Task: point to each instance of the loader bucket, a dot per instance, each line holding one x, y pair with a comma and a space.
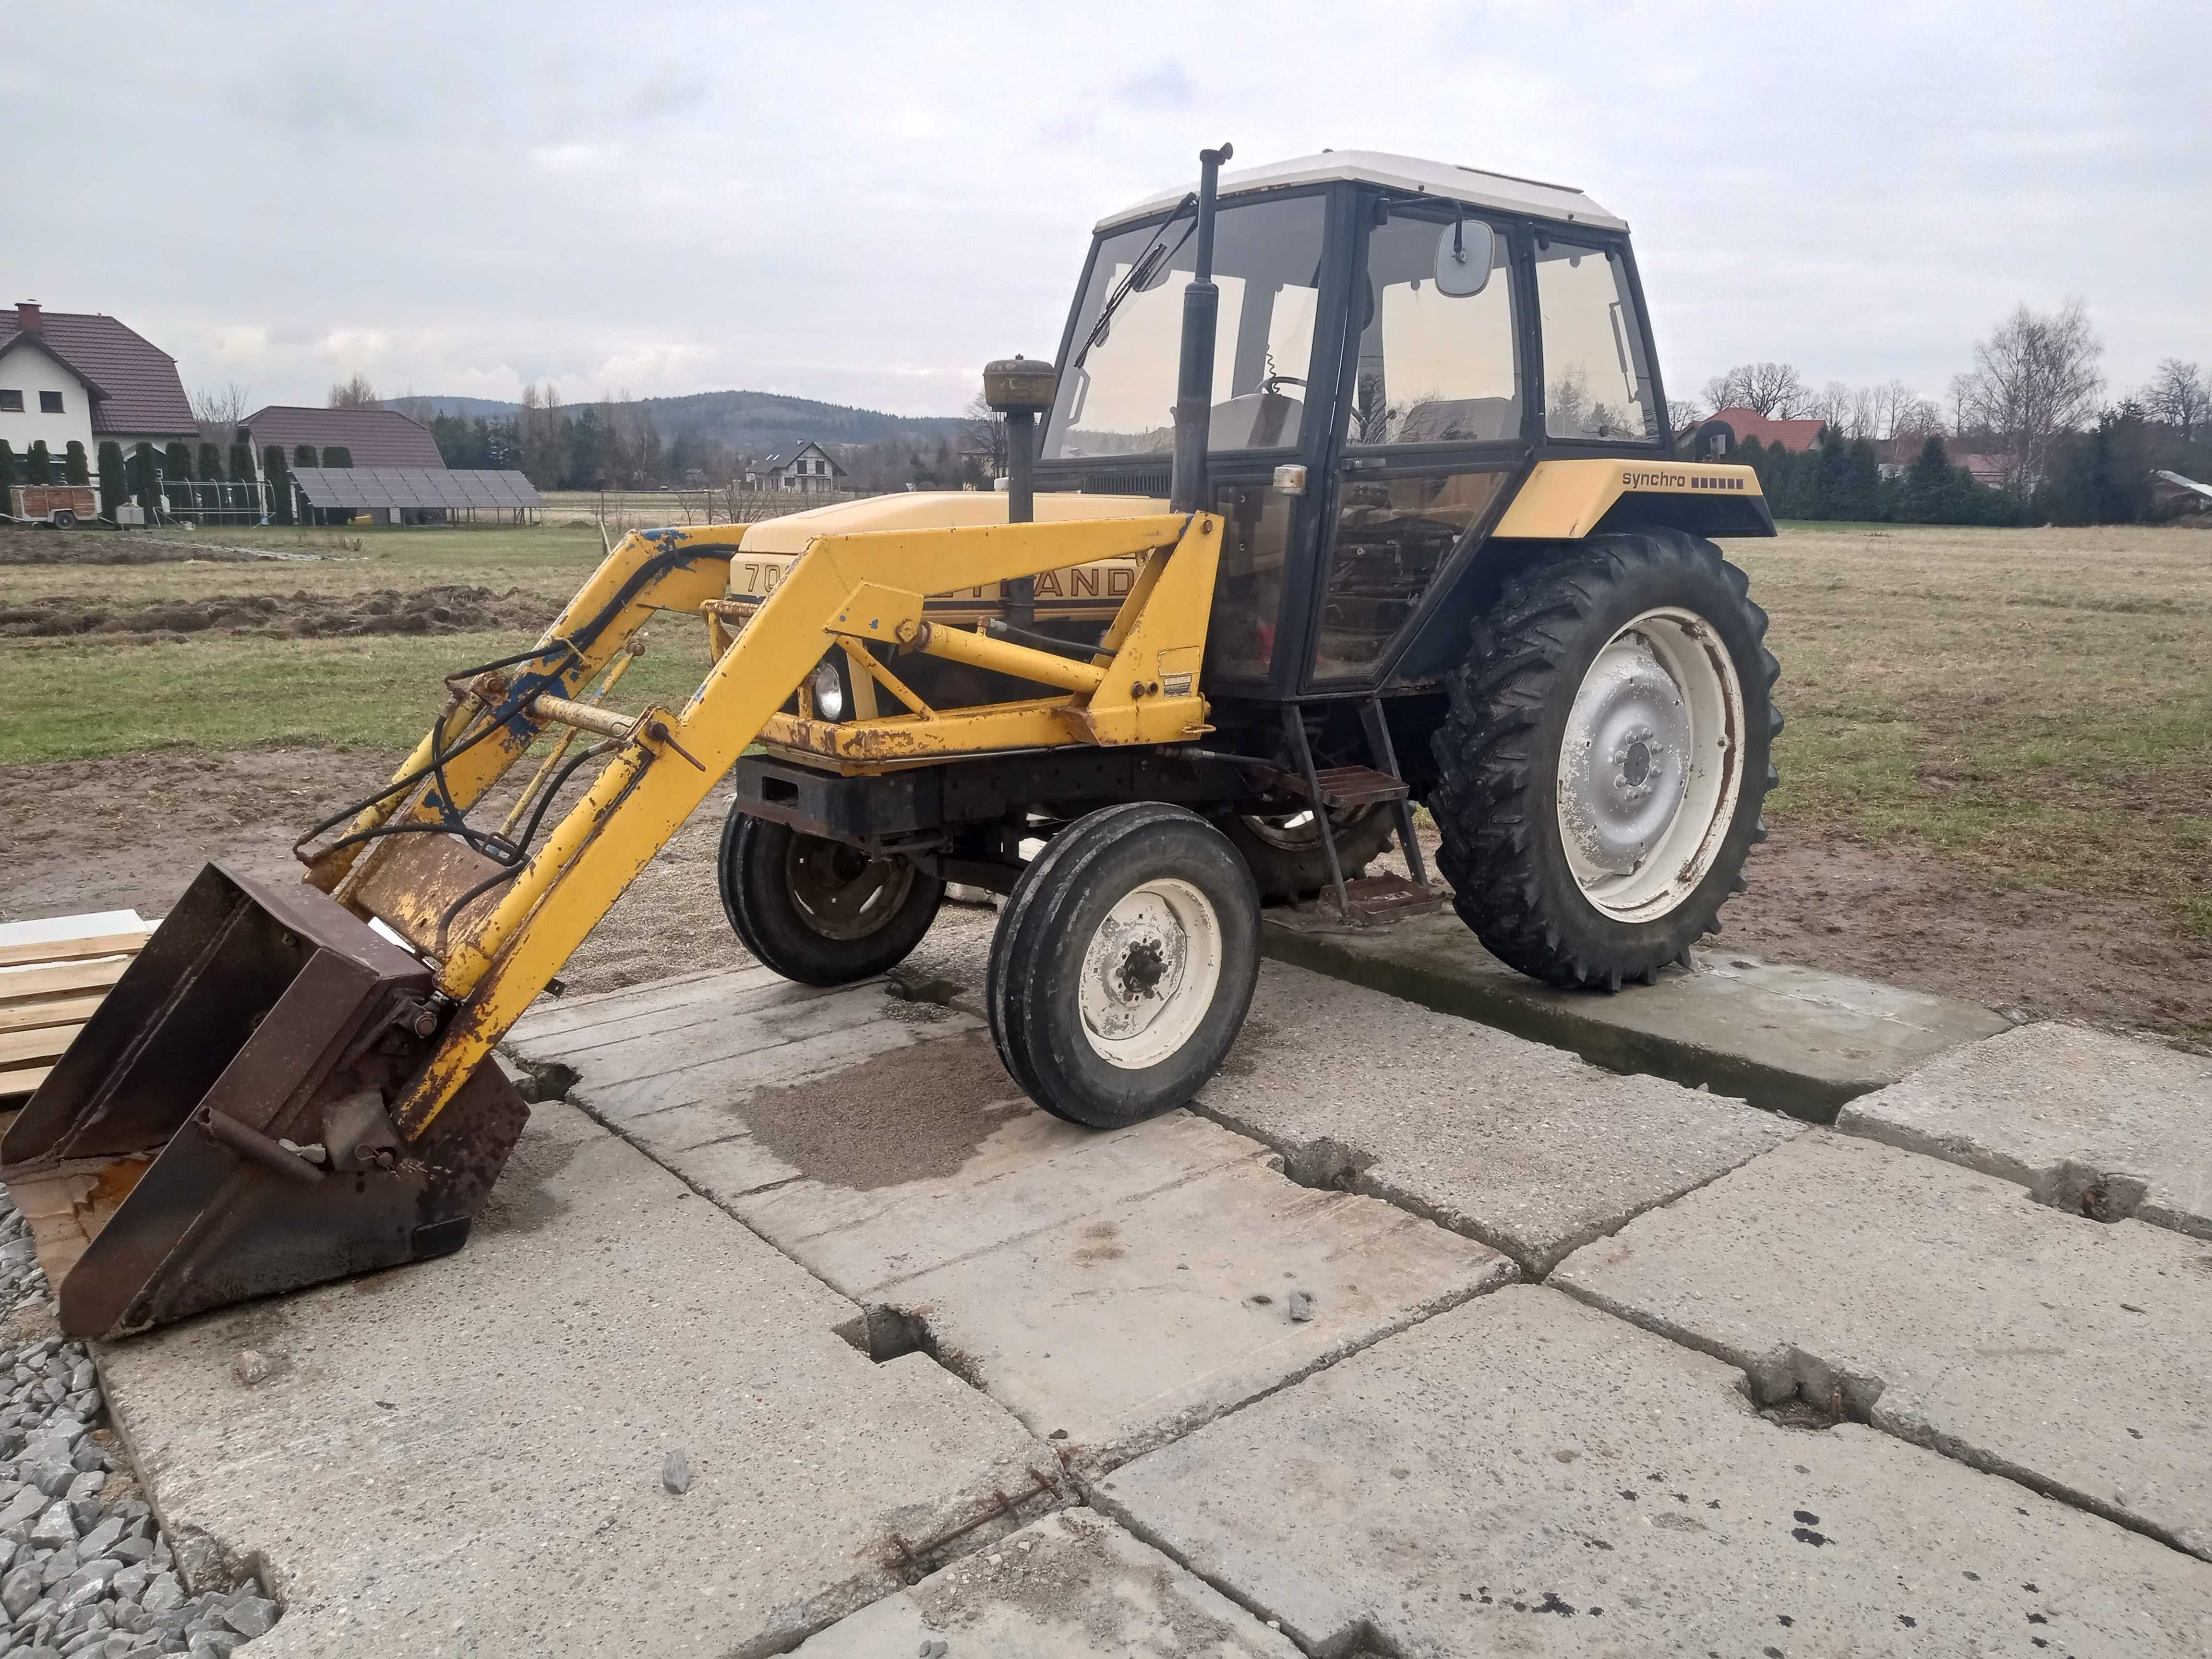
217, 1131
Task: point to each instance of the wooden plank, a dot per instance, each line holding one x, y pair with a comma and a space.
19, 985
95, 944
40, 930
57, 1011
20, 1048
13, 1085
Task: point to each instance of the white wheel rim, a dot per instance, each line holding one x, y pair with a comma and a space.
1651, 765
1150, 973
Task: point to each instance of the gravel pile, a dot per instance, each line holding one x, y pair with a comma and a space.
84, 1569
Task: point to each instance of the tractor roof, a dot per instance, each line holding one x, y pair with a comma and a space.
1502, 191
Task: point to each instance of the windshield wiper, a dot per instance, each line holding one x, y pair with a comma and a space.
1141, 272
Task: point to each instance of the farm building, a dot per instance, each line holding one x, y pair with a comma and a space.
807, 468
1721, 434
77, 377
369, 437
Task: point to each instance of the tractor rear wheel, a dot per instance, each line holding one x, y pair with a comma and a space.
1285, 851
1123, 964
1605, 757
819, 911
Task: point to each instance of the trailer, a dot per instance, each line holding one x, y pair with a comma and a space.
58, 506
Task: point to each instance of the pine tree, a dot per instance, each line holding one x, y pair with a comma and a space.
337, 455
1928, 486
74, 469
1862, 483
241, 463
280, 483
304, 455
142, 475
113, 488
211, 463
7, 478
177, 461
38, 465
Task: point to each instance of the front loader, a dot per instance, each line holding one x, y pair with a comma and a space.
1176, 666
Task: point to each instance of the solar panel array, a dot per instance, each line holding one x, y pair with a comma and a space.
365, 489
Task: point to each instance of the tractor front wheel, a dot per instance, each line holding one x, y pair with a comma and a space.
1606, 757
1123, 964
817, 911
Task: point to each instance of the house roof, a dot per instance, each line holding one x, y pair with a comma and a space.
132, 382
373, 437
1563, 203
1796, 436
781, 459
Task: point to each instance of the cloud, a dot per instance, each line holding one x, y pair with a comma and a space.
865, 201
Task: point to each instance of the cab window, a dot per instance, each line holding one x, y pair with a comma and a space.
1118, 393
1597, 369
1435, 332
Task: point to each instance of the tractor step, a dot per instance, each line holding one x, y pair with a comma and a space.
1358, 785
1386, 898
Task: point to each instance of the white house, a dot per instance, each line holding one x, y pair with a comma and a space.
807, 468
75, 377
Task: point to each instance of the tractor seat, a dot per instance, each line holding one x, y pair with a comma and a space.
1462, 420
1256, 420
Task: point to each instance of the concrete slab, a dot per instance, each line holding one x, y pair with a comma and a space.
2102, 1125
1071, 1586
1947, 1307
1792, 1040
1111, 1290
1524, 1475
465, 1456
1525, 1147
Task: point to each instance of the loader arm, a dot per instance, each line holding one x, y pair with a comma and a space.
867, 587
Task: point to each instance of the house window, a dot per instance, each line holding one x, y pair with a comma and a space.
11, 403
49, 403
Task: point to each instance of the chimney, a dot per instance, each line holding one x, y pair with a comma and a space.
27, 316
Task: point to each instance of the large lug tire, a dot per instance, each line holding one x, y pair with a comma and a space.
1605, 757
819, 911
1123, 964
1285, 851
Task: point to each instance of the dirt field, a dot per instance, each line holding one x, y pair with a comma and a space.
1998, 773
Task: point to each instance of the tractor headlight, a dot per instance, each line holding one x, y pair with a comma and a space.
829, 686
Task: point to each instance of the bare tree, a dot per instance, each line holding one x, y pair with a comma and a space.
2178, 395
1775, 390
1683, 413
2035, 378
357, 393
216, 410
985, 437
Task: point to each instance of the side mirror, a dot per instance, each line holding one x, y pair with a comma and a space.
1465, 253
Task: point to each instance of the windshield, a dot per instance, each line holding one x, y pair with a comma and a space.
1116, 396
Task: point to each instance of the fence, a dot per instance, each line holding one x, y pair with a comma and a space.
653, 509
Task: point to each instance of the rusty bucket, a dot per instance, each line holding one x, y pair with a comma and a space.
218, 1130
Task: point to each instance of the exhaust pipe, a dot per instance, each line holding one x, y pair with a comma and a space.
1201, 313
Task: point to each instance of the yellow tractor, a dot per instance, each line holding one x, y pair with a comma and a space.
1350, 485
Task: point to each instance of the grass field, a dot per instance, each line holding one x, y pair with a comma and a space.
2033, 704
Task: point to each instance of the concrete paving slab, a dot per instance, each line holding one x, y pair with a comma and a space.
1525, 1476
1792, 1040
1111, 1290
1071, 1586
465, 1456
2106, 1125
1947, 1307
1528, 1148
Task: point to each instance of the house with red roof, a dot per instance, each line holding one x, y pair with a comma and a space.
369, 437
79, 377
1721, 434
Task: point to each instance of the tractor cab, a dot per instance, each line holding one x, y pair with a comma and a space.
1399, 342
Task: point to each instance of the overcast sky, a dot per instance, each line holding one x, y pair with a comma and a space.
863, 203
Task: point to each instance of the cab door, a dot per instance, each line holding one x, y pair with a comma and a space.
1433, 428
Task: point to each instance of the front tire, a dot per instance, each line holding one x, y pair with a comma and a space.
1123, 964
1285, 853
1605, 757
819, 911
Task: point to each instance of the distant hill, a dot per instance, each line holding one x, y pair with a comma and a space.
749, 422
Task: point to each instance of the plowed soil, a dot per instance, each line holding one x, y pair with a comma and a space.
20, 545
301, 616
97, 835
